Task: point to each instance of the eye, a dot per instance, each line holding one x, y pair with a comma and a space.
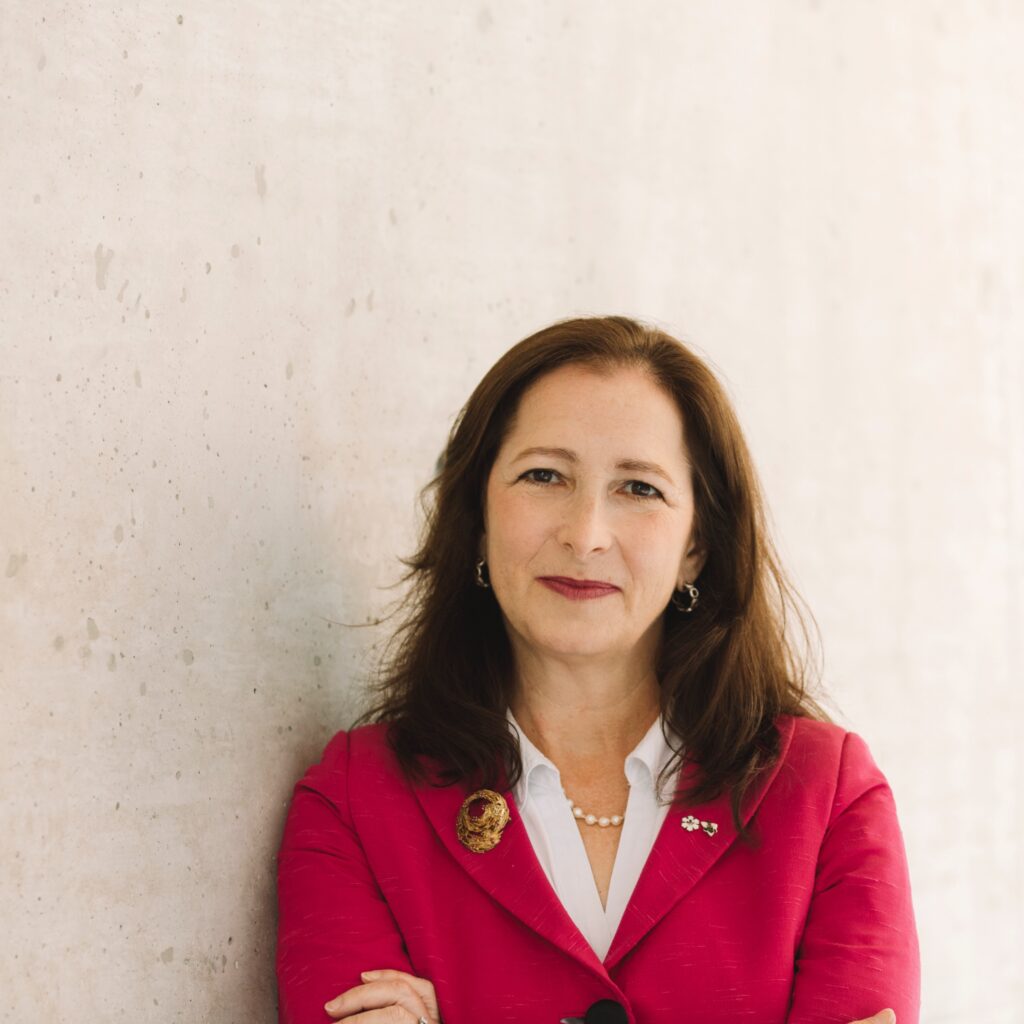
646, 491
534, 476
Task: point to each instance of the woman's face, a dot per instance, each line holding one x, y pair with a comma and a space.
592, 483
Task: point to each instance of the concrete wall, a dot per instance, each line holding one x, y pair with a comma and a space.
255, 257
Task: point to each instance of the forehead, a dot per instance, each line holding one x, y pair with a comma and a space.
603, 405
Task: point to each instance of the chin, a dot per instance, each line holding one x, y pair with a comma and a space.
568, 643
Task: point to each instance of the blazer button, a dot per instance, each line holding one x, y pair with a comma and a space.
606, 1011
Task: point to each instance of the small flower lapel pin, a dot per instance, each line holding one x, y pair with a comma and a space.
691, 824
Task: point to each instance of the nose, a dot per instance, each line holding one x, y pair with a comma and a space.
585, 526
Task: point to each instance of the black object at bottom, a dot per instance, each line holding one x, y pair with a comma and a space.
606, 1011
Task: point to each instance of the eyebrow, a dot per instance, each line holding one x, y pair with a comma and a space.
631, 465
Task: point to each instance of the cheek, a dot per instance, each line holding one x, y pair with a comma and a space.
516, 529
655, 547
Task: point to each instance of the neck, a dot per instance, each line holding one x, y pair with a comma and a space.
584, 715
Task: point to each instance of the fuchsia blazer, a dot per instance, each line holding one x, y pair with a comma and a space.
815, 926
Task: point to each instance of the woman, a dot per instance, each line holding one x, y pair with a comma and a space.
594, 786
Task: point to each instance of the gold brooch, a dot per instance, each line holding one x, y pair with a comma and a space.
482, 832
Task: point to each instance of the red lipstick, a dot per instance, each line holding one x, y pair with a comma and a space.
578, 590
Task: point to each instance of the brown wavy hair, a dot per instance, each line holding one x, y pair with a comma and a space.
726, 670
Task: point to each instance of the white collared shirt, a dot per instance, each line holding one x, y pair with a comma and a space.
556, 838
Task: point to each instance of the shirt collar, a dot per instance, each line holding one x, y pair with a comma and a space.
643, 763
652, 753
535, 764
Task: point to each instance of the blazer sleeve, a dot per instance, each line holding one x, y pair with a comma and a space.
859, 949
333, 921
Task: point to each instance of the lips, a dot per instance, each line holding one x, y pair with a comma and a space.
578, 590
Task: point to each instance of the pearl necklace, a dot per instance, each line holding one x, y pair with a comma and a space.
592, 819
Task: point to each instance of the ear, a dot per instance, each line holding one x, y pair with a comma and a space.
691, 566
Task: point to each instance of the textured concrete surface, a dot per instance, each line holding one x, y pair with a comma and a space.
254, 258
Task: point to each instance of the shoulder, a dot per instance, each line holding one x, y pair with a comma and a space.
824, 744
811, 732
359, 758
368, 740
365, 743
828, 762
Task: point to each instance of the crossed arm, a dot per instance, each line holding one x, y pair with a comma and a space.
385, 991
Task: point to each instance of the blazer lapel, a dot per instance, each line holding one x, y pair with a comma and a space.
509, 872
680, 857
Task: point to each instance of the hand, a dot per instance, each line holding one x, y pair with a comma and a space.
886, 1016
384, 989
